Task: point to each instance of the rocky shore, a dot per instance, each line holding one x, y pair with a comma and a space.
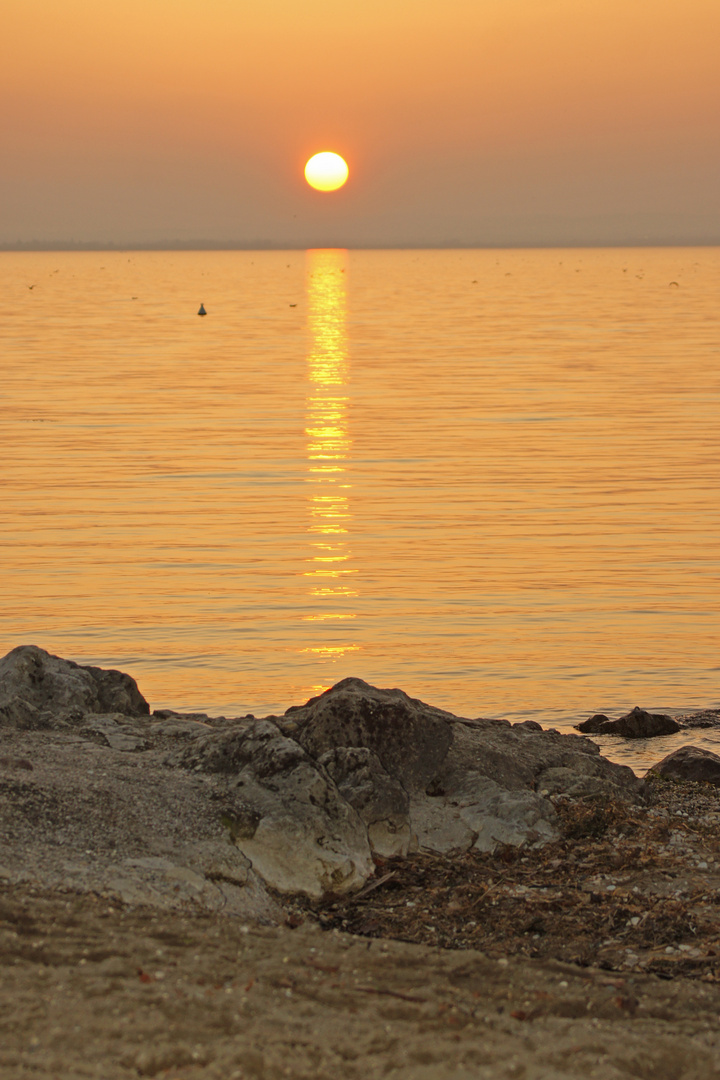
365, 883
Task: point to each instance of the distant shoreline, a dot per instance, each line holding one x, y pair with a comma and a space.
265, 245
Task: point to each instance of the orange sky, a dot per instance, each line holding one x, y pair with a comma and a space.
463, 121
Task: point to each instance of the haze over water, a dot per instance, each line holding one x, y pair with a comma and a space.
487, 477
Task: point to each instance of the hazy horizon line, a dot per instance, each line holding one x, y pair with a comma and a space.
268, 245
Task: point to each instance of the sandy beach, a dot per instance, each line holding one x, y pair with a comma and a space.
105, 990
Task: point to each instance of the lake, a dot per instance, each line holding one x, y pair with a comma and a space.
488, 477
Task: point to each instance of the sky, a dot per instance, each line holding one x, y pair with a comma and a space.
463, 122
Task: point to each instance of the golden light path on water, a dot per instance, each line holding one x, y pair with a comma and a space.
330, 573
487, 477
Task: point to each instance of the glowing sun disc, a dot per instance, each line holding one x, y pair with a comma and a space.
326, 171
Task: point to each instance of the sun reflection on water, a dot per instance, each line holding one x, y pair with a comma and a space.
328, 448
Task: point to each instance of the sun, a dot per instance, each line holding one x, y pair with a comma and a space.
326, 171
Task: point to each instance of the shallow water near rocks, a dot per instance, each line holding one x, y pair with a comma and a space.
487, 477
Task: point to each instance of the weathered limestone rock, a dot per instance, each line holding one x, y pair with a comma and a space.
704, 718
409, 737
593, 724
298, 832
188, 811
39, 690
496, 781
115, 730
218, 861
637, 724
177, 727
528, 725
469, 783
86, 817
381, 801
481, 795
690, 763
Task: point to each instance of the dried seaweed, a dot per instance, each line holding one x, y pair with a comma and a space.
622, 888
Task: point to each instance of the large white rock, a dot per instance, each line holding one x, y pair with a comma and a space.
289, 819
469, 783
215, 814
380, 799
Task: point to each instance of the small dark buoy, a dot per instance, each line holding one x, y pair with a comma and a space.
202, 310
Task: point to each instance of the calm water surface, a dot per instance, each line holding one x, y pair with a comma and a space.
488, 477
